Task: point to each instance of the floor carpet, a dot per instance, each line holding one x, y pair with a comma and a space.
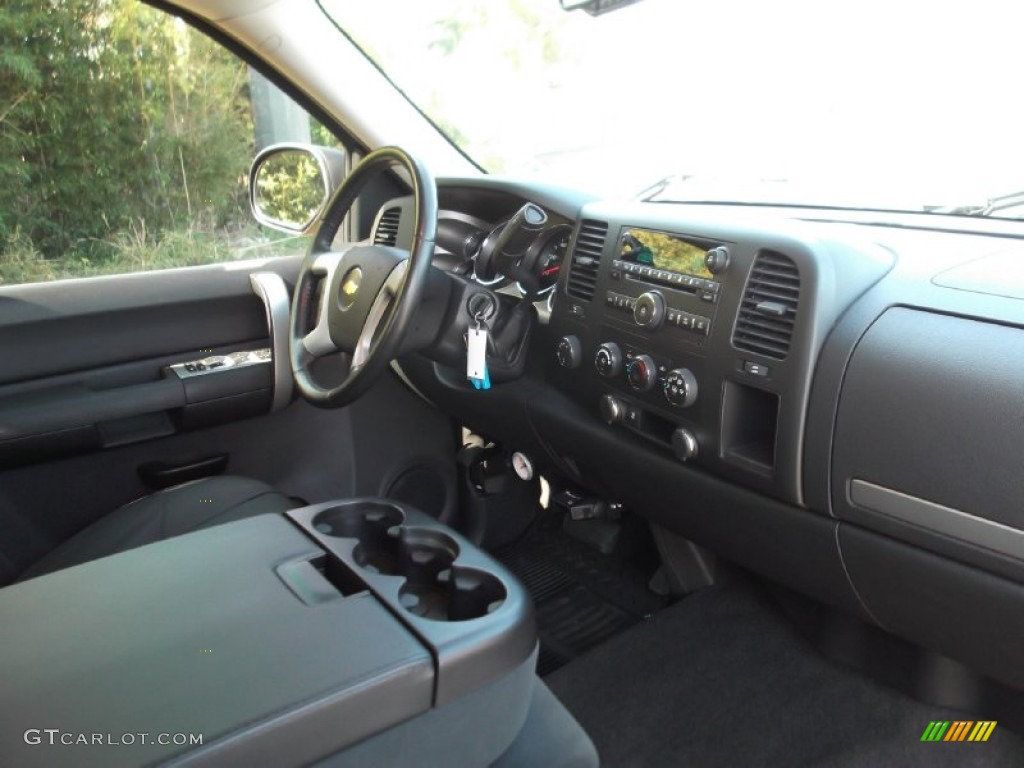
721, 679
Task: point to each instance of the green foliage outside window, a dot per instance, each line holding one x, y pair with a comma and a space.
125, 141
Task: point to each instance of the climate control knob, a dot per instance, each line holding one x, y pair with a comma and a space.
684, 444
649, 310
608, 360
680, 387
641, 373
611, 410
569, 352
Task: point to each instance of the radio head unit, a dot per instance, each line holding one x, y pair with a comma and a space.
662, 251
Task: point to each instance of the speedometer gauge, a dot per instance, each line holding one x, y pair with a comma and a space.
543, 260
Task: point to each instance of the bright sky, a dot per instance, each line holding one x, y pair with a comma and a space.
877, 99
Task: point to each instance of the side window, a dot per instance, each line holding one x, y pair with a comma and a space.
125, 143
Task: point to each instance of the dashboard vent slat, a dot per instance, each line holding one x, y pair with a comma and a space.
767, 314
586, 258
387, 227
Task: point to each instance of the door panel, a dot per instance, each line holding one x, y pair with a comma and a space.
48, 329
87, 397
95, 363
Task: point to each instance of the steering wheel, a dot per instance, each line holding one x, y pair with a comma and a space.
360, 299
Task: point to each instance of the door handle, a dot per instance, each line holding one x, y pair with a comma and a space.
271, 289
164, 474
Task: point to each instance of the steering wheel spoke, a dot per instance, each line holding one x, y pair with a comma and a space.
318, 341
326, 264
378, 312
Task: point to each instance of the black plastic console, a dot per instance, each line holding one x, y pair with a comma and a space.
357, 631
465, 608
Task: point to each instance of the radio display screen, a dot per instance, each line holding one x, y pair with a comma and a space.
662, 251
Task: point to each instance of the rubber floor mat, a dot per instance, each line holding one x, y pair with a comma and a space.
570, 587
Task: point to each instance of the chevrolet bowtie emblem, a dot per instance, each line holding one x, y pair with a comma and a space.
350, 286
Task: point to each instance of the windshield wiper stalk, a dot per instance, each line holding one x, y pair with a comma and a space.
990, 206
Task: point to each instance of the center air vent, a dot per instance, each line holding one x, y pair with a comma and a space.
586, 258
387, 227
767, 313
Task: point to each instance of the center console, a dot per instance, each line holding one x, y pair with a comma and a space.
699, 337
354, 632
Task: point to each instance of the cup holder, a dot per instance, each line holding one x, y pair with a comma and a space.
433, 587
456, 594
368, 522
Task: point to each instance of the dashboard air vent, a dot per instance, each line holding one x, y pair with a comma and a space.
586, 258
387, 227
767, 314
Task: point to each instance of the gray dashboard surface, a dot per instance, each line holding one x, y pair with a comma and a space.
999, 274
200, 635
931, 408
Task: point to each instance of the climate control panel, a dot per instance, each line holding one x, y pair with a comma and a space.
642, 373
644, 325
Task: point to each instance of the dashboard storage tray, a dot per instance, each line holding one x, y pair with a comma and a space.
468, 610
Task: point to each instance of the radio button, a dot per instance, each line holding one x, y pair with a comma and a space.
717, 260
649, 311
701, 325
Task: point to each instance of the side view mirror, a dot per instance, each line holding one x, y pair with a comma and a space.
289, 184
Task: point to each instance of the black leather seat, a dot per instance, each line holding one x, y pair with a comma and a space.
170, 512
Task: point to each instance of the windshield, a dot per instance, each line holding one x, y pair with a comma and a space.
886, 105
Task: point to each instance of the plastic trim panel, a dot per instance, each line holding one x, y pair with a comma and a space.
996, 537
